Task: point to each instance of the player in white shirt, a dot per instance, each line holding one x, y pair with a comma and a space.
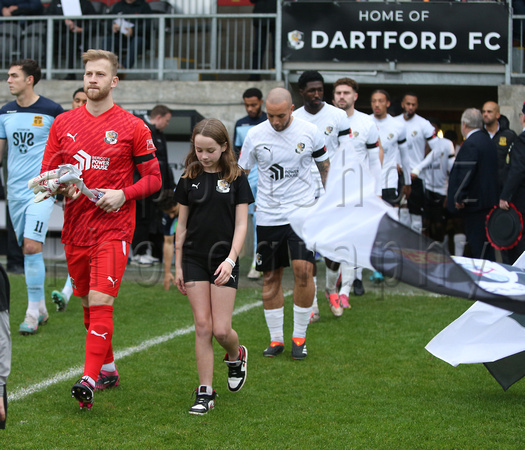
434, 169
392, 133
283, 148
365, 141
333, 123
420, 132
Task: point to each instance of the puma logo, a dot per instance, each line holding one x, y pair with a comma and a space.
232, 276
103, 335
266, 148
112, 281
196, 186
71, 136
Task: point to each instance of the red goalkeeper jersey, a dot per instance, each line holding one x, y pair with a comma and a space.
107, 149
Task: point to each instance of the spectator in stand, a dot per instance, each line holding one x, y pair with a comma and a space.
502, 136
128, 34
261, 29
73, 32
21, 7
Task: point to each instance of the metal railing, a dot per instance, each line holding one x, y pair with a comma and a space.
162, 46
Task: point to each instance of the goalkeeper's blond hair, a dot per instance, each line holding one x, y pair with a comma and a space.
95, 55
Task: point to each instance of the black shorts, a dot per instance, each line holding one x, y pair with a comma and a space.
390, 196
275, 246
195, 268
434, 209
416, 201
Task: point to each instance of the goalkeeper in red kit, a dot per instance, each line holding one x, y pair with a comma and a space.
106, 143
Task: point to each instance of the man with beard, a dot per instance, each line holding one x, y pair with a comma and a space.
333, 123
284, 148
365, 140
253, 101
419, 133
502, 136
107, 143
25, 124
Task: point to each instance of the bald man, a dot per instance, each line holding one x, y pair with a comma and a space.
498, 129
283, 147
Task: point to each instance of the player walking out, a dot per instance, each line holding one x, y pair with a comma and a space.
107, 143
213, 195
25, 124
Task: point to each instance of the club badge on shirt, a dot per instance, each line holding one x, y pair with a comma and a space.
111, 137
223, 186
300, 148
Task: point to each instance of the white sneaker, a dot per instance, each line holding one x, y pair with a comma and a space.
254, 274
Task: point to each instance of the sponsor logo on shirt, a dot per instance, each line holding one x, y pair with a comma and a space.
86, 161
38, 121
278, 172
111, 137
223, 186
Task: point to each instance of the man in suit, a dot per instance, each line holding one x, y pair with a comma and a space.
514, 188
473, 183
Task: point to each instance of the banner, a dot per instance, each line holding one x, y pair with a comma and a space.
453, 32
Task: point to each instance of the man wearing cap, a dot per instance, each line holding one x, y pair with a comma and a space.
473, 182
514, 188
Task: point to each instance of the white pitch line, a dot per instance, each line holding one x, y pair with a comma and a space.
73, 372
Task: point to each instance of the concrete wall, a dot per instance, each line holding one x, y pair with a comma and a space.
510, 99
220, 99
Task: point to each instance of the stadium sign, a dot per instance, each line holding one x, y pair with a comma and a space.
408, 32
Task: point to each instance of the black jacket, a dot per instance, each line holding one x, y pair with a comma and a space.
474, 177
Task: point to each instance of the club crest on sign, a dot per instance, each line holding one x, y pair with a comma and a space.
223, 186
111, 137
296, 39
300, 148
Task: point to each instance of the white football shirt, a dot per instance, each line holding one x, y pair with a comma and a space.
436, 166
283, 159
365, 139
393, 140
330, 121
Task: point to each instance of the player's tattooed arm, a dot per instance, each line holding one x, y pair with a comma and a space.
323, 167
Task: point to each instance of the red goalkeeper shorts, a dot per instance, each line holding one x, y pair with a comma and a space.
98, 267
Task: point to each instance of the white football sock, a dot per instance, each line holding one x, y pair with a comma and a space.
109, 367
331, 280
275, 321
314, 304
459, 244
301, 319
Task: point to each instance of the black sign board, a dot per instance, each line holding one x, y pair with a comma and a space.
401, 32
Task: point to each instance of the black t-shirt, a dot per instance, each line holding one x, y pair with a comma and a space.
211, 219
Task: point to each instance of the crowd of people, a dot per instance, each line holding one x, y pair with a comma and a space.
278, 160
